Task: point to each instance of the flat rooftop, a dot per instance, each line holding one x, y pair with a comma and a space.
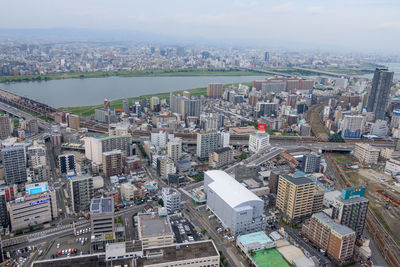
298, 180
257, 237
151, 225
172, 253
102, 205
326, 220
84, 261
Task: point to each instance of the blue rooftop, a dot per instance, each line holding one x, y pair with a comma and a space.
257, 237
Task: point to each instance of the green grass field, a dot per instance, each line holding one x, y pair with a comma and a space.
269, 258
132, 73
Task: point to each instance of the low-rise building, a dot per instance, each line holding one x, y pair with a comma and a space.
366, 154
33, 210
193, 254
254, 241
221, 157
154, 231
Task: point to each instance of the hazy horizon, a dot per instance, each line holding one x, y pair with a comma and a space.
363, 26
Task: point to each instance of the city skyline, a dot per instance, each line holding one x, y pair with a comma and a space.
346, 25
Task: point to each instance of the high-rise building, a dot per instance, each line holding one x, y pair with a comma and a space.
102, 222
258, 142
154, 101
172, 199
167, 166
352, 126
82, 192
266, 109
225, 139
66, 163
185, 105
295, 197
207, 142
175, 148
95, 146
336, 239
349, 207
214, 90
238, 209
74, 121
125, 106
4, 219
379, 94
5, 126
310, 163
266, 57
159, 139
112, 163
14, 162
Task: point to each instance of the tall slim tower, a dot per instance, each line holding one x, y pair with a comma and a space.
378, 99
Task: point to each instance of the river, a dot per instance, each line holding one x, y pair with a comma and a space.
92, 91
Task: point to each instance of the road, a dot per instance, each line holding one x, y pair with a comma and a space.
21, 114
222, 245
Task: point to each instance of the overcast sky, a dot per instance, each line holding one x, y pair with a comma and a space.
364, 25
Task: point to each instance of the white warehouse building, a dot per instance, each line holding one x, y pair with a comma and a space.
238, 209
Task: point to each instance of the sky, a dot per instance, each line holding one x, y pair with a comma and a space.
359, 25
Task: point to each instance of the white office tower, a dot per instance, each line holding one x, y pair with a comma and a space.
225, 139
239, 210
175, 148
172, 199
159, 139
258, 142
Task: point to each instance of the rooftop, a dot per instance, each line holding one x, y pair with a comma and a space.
173, 253
299, 180
222, 150
151, 225
338, 228
368, 147
102, 205
257, 237
230, 190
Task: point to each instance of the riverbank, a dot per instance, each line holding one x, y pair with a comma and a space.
132, 73
85, 111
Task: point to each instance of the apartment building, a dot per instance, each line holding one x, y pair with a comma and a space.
336, 239
207, 142
82, 192
366, 154
221, 157
295, 197
112, 163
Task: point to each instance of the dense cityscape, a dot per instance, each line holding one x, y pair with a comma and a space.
294, 161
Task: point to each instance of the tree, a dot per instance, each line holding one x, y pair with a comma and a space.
337, 137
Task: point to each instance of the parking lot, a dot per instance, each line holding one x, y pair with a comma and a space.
184, 231
79, 244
